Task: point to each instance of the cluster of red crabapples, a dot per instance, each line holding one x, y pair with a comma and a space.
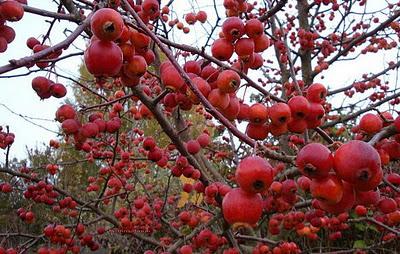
182, 167
6, 187
41, 192
82, 132
298, 114
35, 45
335, 181
61, 235
191, 18
45, 88
6, 139
234, 8
389, 148
254, 175
13, 10
26, 216
10, 10
370, 124
143, 216
306, 39
248, 49
126, 50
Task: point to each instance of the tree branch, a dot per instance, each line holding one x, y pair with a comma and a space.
45, 13
356, 114
195, 90
15, 64
273, 11
359, 39
384, 133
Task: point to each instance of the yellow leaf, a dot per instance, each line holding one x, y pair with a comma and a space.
196, 198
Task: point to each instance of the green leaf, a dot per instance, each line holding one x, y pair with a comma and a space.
360, 226
185, 230
359, 244
373, 228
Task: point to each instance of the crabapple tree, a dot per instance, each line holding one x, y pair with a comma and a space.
206, 127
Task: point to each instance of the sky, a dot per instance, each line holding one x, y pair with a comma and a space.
19, 97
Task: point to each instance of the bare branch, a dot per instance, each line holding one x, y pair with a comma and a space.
45, 13
15, 64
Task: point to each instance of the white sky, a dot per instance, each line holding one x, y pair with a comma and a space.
17, 94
